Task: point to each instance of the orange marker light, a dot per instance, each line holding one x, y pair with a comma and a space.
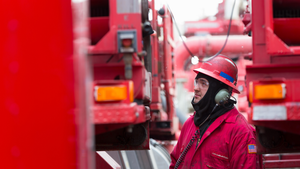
131, 91
270, 91
250, 92
110, 93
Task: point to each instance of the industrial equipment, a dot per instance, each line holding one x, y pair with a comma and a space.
80, 78
131, 57
273, 78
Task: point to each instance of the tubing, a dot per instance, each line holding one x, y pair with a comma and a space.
209, 45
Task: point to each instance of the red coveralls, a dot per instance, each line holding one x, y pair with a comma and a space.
223, 145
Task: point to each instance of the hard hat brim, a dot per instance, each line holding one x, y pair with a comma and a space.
216, 75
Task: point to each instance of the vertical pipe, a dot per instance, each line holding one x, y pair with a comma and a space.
155, 81
167, 63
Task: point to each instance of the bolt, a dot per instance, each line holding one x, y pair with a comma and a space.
129, 129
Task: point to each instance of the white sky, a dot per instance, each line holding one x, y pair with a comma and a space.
191, 10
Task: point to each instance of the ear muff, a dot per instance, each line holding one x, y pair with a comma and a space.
222, 96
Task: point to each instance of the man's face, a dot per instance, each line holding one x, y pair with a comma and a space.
200, 88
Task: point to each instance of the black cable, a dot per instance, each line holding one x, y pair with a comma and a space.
228, 32
183, 154
210, 58
171, 13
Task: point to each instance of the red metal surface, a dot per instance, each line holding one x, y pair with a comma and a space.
163, 77
97, 32
218, 27
281, 163
287, 156
276, 58
270, 31
287, 73
281, 43
115, 113
273, 71
168, 78
156, 74
39, 112
106, 43
120, 113
105, 161
116, 118
241, 85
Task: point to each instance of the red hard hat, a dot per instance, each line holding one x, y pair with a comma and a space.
222, 69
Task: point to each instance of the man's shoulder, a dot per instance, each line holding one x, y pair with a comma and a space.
239, 123
190, 120
234, 116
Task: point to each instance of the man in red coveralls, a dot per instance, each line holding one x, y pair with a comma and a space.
217, 135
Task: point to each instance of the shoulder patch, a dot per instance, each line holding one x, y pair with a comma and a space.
252, 148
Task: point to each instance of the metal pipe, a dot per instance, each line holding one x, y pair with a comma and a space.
210, 45
167, 63
127, 58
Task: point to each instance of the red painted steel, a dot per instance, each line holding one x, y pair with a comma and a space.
281, 160
120, 113
218, 27
106, 42
163, 77
287, 73
168, 78
276, 58
115, 113
39, 110
276, 28
241, 85
156, 100
281, 156
272, 32
281, 163
110, 67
